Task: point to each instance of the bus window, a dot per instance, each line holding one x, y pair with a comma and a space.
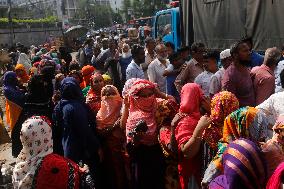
164, 25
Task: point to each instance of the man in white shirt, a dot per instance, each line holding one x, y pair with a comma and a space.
274, 105
211, 67
216, 79
133, 69
150, 54
157, 68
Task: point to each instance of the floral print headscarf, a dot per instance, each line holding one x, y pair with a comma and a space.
36, 137
222, 104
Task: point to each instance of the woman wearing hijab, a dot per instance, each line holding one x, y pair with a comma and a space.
72, 131
274, 148
22, 75
14, 98
222, 104
112, 138
145, 153
247, 122
36, 166
93, 97
87, 72
188, 134
36, 102
243, 167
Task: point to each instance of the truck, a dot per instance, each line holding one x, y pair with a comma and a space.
220, 23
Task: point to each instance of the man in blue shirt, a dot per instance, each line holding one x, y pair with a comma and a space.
256, 59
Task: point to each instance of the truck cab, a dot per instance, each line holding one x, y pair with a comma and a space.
167, 26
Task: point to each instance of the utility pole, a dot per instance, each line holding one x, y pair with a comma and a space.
10, 23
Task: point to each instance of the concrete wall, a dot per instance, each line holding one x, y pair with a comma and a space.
28, 36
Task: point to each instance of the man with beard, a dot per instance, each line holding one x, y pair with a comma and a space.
237, 76
157, 68
124, 60
150, 54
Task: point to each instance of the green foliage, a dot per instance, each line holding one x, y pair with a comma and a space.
96, 15
125, 6
142, 8
50, 19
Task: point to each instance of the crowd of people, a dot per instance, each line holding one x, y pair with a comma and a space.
121, 116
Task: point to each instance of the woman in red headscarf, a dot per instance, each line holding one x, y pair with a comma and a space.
188, 134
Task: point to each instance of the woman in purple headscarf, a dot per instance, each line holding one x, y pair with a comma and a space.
243, 167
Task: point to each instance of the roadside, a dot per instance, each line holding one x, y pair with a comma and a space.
7, 162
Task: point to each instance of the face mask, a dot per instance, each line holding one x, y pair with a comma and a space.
145, 103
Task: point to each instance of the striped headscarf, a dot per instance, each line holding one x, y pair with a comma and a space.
243, 167
246, 122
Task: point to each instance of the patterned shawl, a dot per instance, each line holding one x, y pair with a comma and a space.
36, 137
246, 122
222, 104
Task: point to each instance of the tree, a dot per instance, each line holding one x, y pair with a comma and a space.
125, 7
143, 8
95, 15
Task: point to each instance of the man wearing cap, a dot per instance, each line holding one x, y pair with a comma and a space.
215, 81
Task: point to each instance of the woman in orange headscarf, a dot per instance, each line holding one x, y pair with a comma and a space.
112, 137
87, 72
22, 75
93, 97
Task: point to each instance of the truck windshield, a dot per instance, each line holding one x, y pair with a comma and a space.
164, 25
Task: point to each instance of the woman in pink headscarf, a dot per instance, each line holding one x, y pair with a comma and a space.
276, 180
188, 134
147, 162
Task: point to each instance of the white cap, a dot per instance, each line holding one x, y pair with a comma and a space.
225, 54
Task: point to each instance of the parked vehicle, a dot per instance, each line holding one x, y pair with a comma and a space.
219, 23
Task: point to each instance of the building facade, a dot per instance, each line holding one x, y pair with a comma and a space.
3, 3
